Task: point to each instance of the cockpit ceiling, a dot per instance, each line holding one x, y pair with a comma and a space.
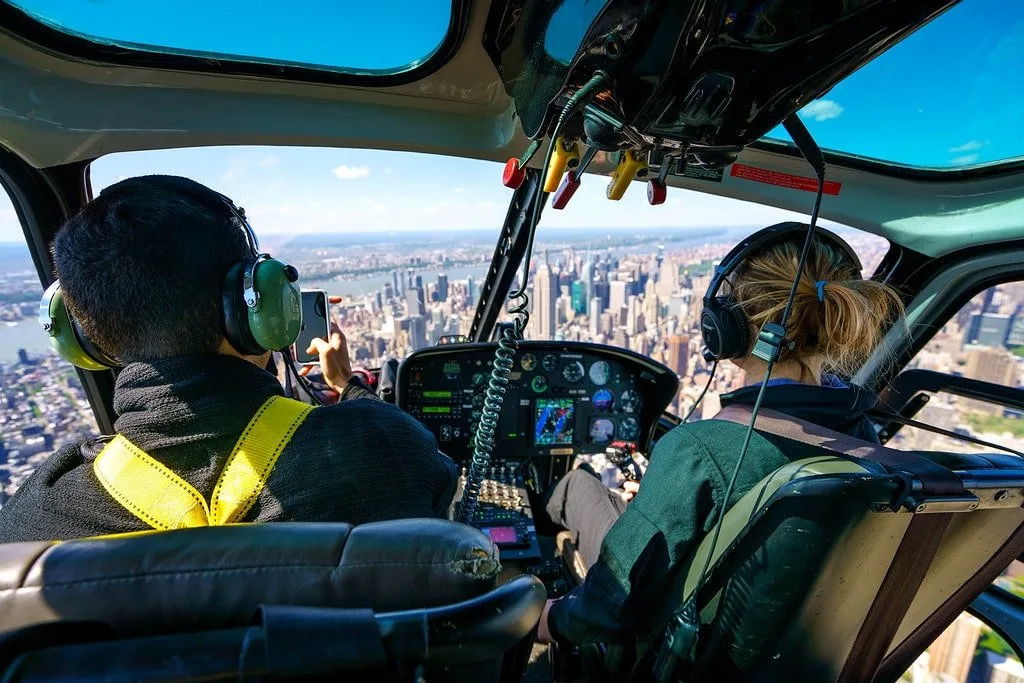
56, 109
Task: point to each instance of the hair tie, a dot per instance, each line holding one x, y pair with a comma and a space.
820, 285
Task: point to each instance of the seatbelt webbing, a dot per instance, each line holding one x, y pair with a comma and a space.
935, 479
163, 500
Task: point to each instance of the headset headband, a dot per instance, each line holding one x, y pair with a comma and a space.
762, 239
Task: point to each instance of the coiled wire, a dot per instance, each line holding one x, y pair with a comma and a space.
508, 342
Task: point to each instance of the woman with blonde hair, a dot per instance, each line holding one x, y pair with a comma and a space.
637, 550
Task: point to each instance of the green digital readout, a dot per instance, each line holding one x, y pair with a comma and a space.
437, 394
437, 409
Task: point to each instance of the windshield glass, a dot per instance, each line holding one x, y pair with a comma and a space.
947, 96
382, 37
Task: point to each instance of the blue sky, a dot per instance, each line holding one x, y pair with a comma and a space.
947, 96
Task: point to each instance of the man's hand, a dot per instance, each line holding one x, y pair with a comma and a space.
629, 489
334, 360
543, 632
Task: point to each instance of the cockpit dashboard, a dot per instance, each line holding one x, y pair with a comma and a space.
563, 399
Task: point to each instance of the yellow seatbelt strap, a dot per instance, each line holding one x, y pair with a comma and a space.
163, 500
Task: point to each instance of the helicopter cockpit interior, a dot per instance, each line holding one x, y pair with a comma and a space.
844, 565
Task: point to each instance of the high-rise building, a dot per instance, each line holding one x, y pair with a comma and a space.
442, 287
668, 278
1015, 337
378, 301
679, 353
470, 291
579, 300
417, 332
595, 317
587, 279
617, 296
991, 365
397, 278
988, 329
952, 652
602, 292
389, 291
414, 301
544, 302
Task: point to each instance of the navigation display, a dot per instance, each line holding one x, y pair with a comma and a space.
554, 421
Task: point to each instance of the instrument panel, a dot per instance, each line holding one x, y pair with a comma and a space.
562, 398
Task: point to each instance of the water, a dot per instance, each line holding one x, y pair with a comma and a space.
369, 285
25, 335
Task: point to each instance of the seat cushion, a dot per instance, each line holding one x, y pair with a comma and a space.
215, 577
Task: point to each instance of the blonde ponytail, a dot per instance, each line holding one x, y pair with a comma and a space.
836, 315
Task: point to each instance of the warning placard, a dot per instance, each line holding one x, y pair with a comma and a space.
795, 182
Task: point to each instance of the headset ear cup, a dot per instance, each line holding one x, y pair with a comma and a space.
235, 312
276, 320
65, 339
724, 329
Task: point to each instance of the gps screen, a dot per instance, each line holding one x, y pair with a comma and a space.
554, 421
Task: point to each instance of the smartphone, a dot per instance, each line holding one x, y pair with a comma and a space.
314, 324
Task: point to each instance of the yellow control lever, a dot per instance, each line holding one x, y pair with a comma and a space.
631, 165
565, 156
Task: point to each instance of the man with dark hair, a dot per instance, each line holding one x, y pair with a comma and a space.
142, 269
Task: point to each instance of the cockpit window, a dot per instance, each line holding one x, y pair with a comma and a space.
373, 38
946, 97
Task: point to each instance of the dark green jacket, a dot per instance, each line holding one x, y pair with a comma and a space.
632, 589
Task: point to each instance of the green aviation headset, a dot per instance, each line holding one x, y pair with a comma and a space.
260, 303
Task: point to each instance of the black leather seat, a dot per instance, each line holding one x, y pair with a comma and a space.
234, 603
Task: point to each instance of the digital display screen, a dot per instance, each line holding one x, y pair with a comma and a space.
437, 409
452, 367
314, 324
502, 534
437, 394
554, 421
601, 430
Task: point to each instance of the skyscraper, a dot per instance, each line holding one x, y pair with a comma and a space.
595, 316
616, 296
668, 277
678, 353
471, 291
442, 286
544, 302
414, 301
397, 277
587, 279
579, 297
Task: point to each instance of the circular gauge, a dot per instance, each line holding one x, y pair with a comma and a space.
628, 429
549, 362
528, 362
539, 384
573, 372
479, 379
599, 372
630, 401
603, 399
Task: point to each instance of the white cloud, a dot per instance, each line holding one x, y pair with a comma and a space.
964, 160
344, 172
969, 146
459, 190
387, 171
822, 110
267, 161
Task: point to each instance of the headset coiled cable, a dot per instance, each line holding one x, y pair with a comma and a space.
508, 341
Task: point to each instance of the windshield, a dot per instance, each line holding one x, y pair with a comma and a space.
947, 96
406, 240
382, 37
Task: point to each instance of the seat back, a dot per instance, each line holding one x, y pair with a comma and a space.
805, 567
185, 596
